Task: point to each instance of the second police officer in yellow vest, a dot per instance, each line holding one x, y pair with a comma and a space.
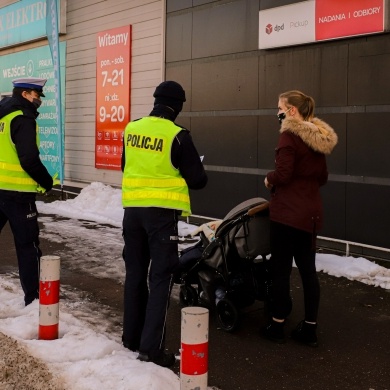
22, 175
160, 164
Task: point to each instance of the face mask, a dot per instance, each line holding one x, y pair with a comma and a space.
282, 115
37, 102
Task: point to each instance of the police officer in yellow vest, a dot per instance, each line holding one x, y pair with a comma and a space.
160, 164
21, 175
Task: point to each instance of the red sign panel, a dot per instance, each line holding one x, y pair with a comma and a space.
336, 19
113, 67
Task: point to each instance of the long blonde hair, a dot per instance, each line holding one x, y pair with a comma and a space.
305, 104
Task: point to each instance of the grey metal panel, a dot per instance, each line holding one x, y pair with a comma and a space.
225, 84
333, 198
182, 75
264, 85
268, 134
333, 71
368, 144
201, 2
222, 193
183, 122
265, 4
262, 192
347, 79
368, 214
225, 28
178, 34
337, 160
226, 141
319, 71
176, 5
368, 79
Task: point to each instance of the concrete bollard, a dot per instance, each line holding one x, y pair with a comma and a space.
194, 348
49, 294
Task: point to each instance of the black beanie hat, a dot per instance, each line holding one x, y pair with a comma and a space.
171, 94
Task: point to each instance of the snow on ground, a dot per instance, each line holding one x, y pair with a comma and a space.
87, 356
82, 356
102, 204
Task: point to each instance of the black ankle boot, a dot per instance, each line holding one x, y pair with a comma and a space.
164, 359
274, 332
305, 333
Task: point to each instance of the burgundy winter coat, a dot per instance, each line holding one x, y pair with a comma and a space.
300, 170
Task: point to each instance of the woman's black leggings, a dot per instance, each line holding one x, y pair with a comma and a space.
288, 243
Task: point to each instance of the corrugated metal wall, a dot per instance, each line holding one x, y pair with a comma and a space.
233, 88
85, 18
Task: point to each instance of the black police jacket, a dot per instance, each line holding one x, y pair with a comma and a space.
23, 134
184, 155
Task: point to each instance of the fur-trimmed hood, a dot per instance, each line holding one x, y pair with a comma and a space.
316, 134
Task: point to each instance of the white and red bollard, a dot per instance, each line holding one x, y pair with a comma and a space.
49, 295
194, 348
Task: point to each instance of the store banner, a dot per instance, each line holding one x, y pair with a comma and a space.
338, 19
53, 38
317, 20
113, 67
25, 21
38, 63
288, 25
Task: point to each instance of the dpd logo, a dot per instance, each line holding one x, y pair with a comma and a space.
269, 28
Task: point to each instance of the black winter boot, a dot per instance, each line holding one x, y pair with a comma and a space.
305, 333
165, 359
128, 345
274, 332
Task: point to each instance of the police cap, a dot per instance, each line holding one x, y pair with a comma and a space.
34, 83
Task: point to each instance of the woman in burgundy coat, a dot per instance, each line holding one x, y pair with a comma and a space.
296, 211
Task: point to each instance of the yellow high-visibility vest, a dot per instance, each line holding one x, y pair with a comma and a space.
12, 176
149, 178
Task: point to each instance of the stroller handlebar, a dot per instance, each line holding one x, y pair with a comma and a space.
227, 225
258, 209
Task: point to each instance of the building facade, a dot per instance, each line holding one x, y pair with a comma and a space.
232, 84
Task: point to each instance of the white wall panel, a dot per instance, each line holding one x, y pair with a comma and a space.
85, 18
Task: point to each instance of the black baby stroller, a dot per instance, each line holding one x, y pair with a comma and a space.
230, 271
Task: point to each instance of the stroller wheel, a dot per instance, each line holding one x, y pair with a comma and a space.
227, 314
188, 296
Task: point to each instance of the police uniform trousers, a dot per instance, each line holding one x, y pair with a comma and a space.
288, 243
151, 257
21, 212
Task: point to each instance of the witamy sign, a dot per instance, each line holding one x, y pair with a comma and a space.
113, 66
318, 20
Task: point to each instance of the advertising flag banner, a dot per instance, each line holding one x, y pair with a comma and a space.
52, 35
113, 67
38, 63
